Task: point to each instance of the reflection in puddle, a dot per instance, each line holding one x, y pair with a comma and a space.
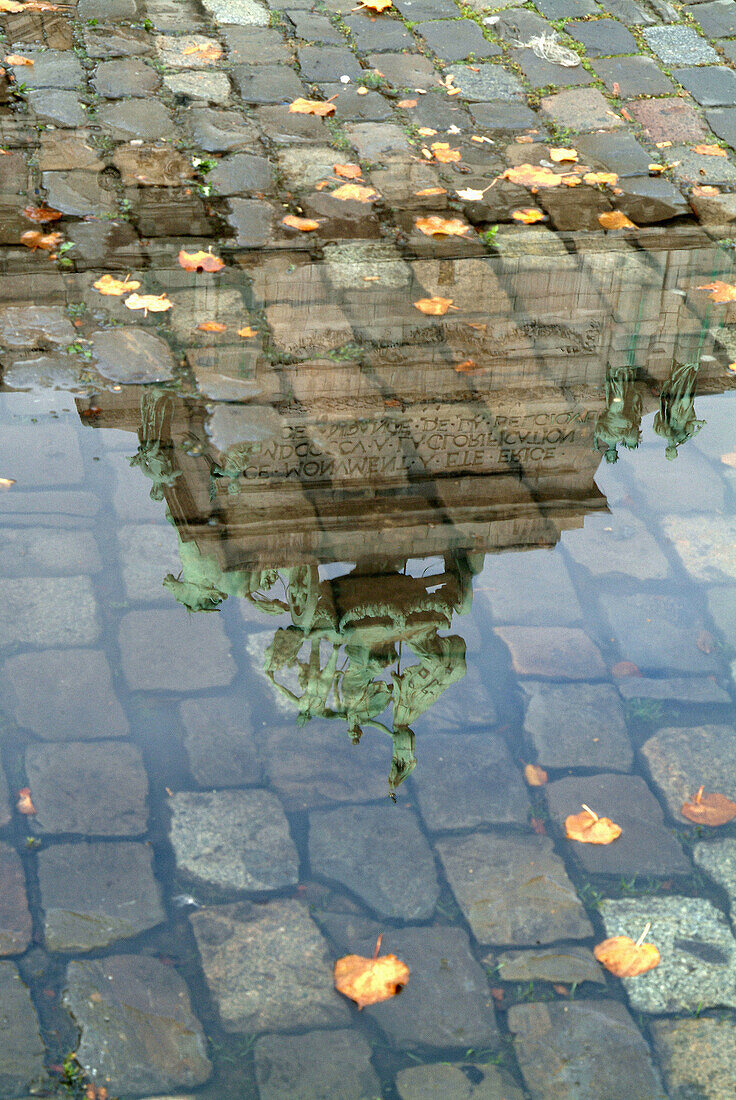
245, 578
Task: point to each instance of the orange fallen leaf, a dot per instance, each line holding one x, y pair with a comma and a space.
444, 154
6, 483
362, 91
41, 214
531, 175
560, 989
468, 366
149, 303
524, 139
538, 826
497, 993
377, 5
433, 307
625, 957
247, 332
207, 51
720, 291
615, 219
407, 103
426, 131
528, 215
705, 150
571, 181
429, 191
369, 981
200, 261
47, 242
348, 171
441, 227
707, 190
709, 809
593, 178
304, 225
560, 156
625, 668
211, 326
588, 828
108, 284
18, 59
534, 775
312, 107
354, 192
11, 6
24, 805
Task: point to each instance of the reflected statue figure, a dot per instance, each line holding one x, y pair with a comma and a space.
620, 422
154, 456
676, 421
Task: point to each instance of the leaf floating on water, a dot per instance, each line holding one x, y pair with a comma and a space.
348, 171
312, 107
200, 261
369, 981
528, 215
560, 156
720, 291
434, 226
625, 668
354, 192
24, 805
709, 809
444, 154
304, 225
607, 178
588, 828
615, 219
211, 326
149, 303
433, 307
534, 775
108, 284
47, 242
625, 957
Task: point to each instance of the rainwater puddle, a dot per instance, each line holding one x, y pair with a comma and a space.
283, 617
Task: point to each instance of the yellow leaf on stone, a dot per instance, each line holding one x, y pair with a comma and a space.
528, 215
560, 156
710, 150
370, 981
625, 958
17, 59
433, 307
108, 284
354, 192
304, 225
434, 226
377, 5
593, 178
11, 6
311, 107
532, 176
149, 303
444, 154
615, 219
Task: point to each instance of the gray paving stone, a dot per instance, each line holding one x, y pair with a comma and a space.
63, 695
437, 113
244, 13
326, 64
210, 87
618, 543
62, 775
414, 11
220, 743
634, 76
77, 193
685, 689
645, 847
468, 780
567, 9
722, 609
619, 152
252, 221
647, 200
517, 24
714, 86
152, 166
568, 1049
34, 551
95, 894
106, 9
489, 82
34, 326
120, 79
116, 42
315, 29
21, 1047
283, 128
560, 653
319, 1064
5, 815
572, 965
378, 35
657, 633
147, 119
679, 45
581, 110
722, 122
512, 889
186, 51
696, 1056
138, 1031
577, 725
442, 1081
268, 967
173, 651
705, 546
354, 846
453, 40
504, 116
352, 107
232, 841
15, 919
148, 552
542, 73
697, 949
529, 587
56, 69
131, 355
603, 37
405, 70
255, 45
239, 174
61, 108
718, 859
628, 12
680, 760
267, 84
718, 19
692, 167
56, 611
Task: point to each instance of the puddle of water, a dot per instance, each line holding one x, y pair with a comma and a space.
280, 629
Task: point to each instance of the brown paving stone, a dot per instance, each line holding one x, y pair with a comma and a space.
668, 120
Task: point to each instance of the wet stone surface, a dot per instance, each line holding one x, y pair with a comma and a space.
327, 768
572, 965
566, 1049
718, 859
219, 743
157, 656
697, 949
448, 1082
657, 633
554, 652
696, 1057
15, 918
352, 846
62, 777
131, 356
57, 611
316, 1065
138, 1031
267, 967
21, 1046
95, 894
513, 890
570, 725
679, 760
232, 841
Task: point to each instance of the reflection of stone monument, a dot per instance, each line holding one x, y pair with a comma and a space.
676, 421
